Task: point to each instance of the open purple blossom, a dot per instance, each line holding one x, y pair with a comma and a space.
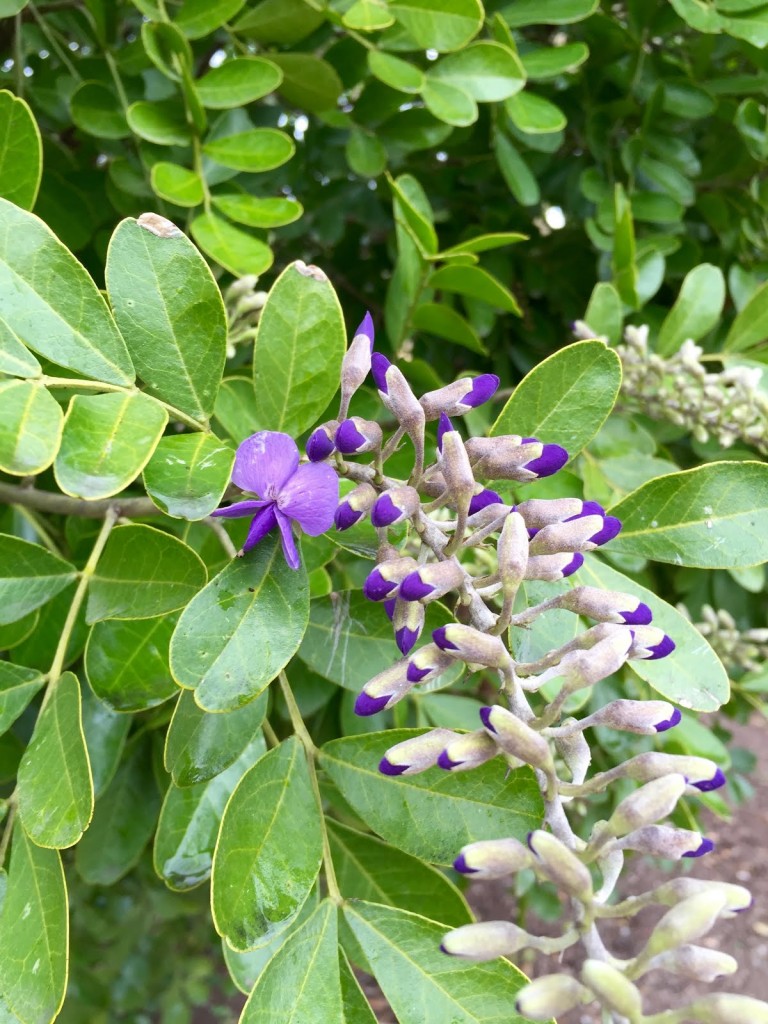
267, 465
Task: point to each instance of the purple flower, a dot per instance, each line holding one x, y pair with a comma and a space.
483, 499
267, 465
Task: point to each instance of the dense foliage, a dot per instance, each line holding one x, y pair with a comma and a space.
551, 191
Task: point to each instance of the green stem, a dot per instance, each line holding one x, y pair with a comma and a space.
119, 87
7, 830
80, 384
38, 527
60, 52
311, 751
197, 152
270, 734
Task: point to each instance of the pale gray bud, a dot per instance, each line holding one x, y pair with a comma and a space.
517, 738
549, 568
614, 991
493, 858
667, 841
550, 996
685, 923
698, 771
644, 717
726, 1008
512, 550
606, 605
486, 940
471, 645
540, 512
560, 865
577, 754
356, 364
416, 755
574, 535
468, 751
737, 898
647, 804
582, 668
697, 962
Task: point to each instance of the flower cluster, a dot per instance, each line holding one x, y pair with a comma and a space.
739, 650
243, 305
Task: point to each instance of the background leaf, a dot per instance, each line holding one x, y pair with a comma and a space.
21, 151
696, 311
126, 662
30, 429
187, 475
29, 576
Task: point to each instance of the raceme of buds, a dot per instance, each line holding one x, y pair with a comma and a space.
493, 858
417, 754
355, 506
460, 397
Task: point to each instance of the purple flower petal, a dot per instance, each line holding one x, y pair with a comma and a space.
575, 563
442, 641
379, 366
413, 589
445, 762
366, 328
365, 705
344, 516
460, 865
311, 497
289, 543
319, 445
240, 509
414, 674
385, 511
707, 785
641, 616
485, 718
264, 462
442, 428
387, 768
664, 647
670, 722
405, 638
264, 520
590, 508
611, 528
376, 588
707, 846
484, 498
348, 439
552, 458
389, 607
483, 388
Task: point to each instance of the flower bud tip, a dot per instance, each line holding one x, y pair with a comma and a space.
439, 637
384, 511
707, 785
707, 846
445, 762
483, 388
552, 459
365, 705
673, 720
319, 445
379, 366
663, 648
575, 563
414, 589
483, 499
387, 768
405, 639
641, 616
345, 517
611, 528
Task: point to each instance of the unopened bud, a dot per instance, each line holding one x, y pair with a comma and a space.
614, 991
486, 940
355, 506
321, 442
468, 751
516, 738
470, 645
408, 621
650, 643
394, 506
699, 963
417, 754
582, 668
607, 606
553, 567
573, 535
511, 457
560, 865
356, 436
384, 580
460, 397
647, 804
540, 512
512, 551
383, 691
396, 393
666, 841
454, 463
493, 858
356, 364
737, 897
427, 663
431, 581
550, 996
698, 771
644, 717
685, 923
726, 1008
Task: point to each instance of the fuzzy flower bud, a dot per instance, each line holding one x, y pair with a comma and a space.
417, 754
408, 622
541, 512
607, 606
356, 364
384, 580
454, 462
460, 397
427, 663
666, 841
396, 393
469, 644
577, 534
486, 940
560, 865
516, 738
650, 643
384, 690
686, 922
577, 754
644, 717
727, 1008
356, 436
737, 898
550, 996
493, 858
355, 506
647, 805
320, 443
613, 990
431, 581
582, 668
511, 457
697, 962
395, 505
698, 771
553, 567
468, 751
512, 552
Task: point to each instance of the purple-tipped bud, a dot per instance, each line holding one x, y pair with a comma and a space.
553, 567
516, 738
582, 668
460, 864
383, 581
493, 858
482, 500
483, 388
384, 690
707, 785
552, 459
666, 841
417, 754
700, 964
442, 641
427, 663
468, 751
650, 643
431, 581
379, 366
470, 645
320, 443
610, 529
647, 805
669, 723
356, 436
413, 588
606, 606
698, 771
356, 362
704, 847
408, 621
366, 328
394, 506
387, 768
355, 506
644, 717
573, 535
345, 516
540, 512
461, 396
365, 705
737, 898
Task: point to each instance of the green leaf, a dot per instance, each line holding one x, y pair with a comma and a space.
624, 260
365, 154
450, 710
258, 212
712, 517
105, 735
412, 209
160, 122
188, 474
50, 302
566, 399
15, 358
167, 48
301, 984
667, 179
55, 789
696, 310
198, 18
171, 313
106, 442
367, 869
123, 821
269, 849
245, 968
29, 576
298, 350
309, 83
260, 149
434, 814
16, 633
199, 745
534, 115
449, 103
395, 72
35, 929
231, 248
547, 12
21, 151
176, 184
126, 662
750, 328
357, 1009
143, 572
692, 675
421, 983
515, 171
368, 16
238, 82
236, 408
475, 283
256, 603
482, 243
442, 25
444, 322
30, 428
605, 314
279, 21
550, 61
96, 111
487, 71
189, 823
18, 686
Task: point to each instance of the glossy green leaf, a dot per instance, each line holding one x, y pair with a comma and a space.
696, 310
565, 399
692, 675
365, 154
258, 212
162, 123
367, 869
483, 243
547, 12
309, 83
236, 408
15, 358
245, 968
395, 72
18, 685
279, 21
712, 517
431, 815
750, 328
126, 662
21, 151
188, 474
171, 313
29, 576
663, 176
237, 82
167, 48
30, 428
106, 442
105, 735
260, 149
256, 603
53, 305
605, 315
269, 849
421, 983
123, 821
487, 71
301, 984
357, 1009
96, 111
143, 572
55, 789
368, 16
231, 248
515, 171
624, 261
35, 928
176, 184
445, 322
189, 823
475, 283
298, 350
198, 18
413, 211
551, 61
442, 25
534, 115
200, 745
449, 103
15, 633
